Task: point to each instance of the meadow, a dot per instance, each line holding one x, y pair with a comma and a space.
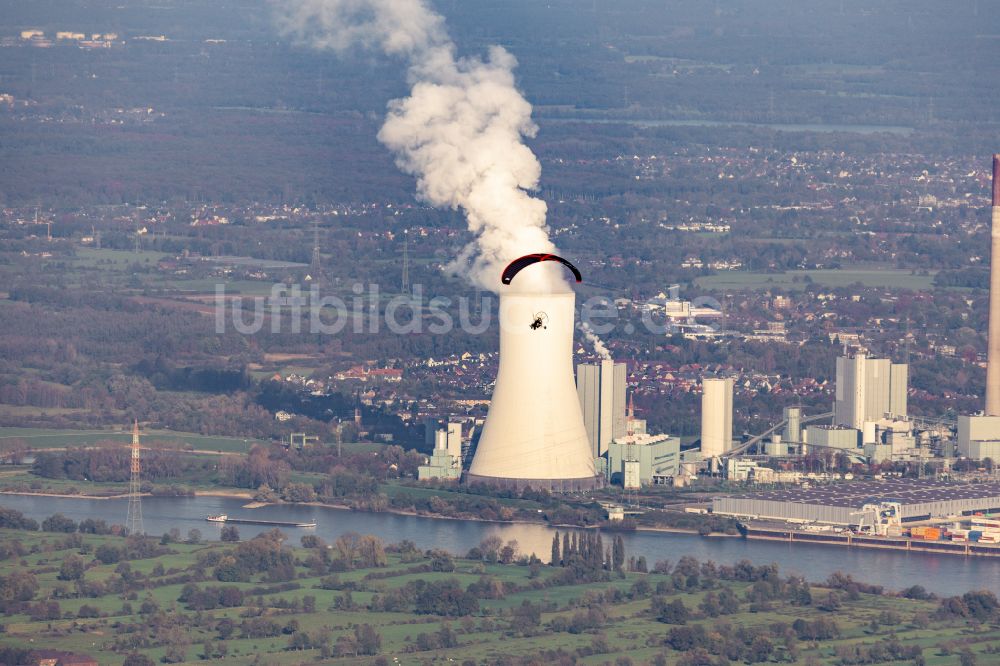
176, 599
42, 438
796, 280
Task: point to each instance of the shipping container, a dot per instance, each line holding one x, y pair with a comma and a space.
986, 523
926, 533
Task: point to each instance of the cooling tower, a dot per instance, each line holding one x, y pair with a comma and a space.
993, 335
534, 435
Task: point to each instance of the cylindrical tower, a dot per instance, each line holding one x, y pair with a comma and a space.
993, 335
793, 424
534, 435
716, 416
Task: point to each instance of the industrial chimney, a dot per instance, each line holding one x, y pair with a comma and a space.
534, 435
993, 335
979, 434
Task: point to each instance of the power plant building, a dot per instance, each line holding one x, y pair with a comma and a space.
716, 416
643, 460
869, 389
842, 504
775, 446
446, 460
448, 431
979, 437
440, 466
534, 434
878, 453
833, 437
601, 390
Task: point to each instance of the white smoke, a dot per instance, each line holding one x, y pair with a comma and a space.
460, 132
599, 348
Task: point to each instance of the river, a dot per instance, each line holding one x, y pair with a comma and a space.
941, 574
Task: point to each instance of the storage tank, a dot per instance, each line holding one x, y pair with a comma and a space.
793, 424
775, 446
534, 434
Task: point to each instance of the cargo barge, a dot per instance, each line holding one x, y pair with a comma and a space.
222, 518
849, 539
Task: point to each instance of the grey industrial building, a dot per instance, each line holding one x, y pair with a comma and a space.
833, 436
979, 437
601, 390
642, 460
841, 504
868, 389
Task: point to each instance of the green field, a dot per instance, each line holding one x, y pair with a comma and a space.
41, 438
582, 612
208, 285
19, 479
117, 266
114, 259
32, 411
796, 280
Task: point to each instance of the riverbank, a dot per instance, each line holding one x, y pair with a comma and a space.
252, 505
238, 494
65, 495
892, 569
682, 530
875, 542
417, 514
477, 519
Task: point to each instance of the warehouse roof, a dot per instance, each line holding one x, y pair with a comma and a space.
858, 493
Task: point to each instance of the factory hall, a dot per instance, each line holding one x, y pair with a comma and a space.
845, 504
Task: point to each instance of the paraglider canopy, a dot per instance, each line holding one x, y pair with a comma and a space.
515, 267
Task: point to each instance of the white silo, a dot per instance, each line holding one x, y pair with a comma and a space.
534, 434
716, 416
793, 425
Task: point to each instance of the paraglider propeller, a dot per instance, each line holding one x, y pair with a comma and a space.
539, 322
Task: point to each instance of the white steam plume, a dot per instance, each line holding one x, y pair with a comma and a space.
599, 348
460, 132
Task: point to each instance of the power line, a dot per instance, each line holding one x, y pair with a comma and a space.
316, 256
133, 520
406, 262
